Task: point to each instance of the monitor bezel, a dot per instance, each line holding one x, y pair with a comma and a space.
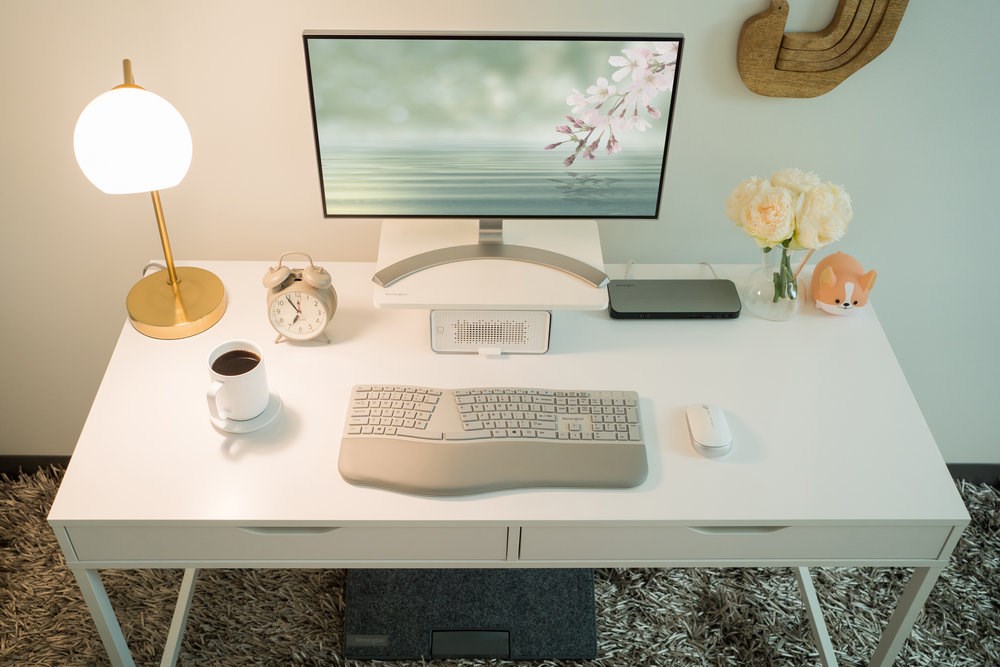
496, 36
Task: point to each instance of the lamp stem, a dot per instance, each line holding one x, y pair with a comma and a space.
127, 71
164, 240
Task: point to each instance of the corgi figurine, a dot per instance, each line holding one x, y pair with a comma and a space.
840, 285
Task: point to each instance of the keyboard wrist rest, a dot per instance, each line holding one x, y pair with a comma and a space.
461, 468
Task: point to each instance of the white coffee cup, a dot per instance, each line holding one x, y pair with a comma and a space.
238, 389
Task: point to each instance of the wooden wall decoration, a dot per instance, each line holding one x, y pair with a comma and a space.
807, 64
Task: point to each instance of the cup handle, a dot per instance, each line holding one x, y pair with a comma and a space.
213, 404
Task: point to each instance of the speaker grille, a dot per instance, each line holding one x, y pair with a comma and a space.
471, 331
490, 332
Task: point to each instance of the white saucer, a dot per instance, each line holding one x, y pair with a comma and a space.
272, 410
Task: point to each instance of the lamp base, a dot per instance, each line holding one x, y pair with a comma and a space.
161, 310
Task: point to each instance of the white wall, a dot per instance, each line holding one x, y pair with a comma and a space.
912, 136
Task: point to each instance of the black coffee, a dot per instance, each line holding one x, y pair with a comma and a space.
236, 362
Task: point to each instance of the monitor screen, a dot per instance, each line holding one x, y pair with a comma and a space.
492, 126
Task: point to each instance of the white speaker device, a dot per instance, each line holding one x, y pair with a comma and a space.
490, 332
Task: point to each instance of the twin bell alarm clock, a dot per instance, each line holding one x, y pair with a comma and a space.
300, 302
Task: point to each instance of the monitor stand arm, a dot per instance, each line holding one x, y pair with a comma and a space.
490, 246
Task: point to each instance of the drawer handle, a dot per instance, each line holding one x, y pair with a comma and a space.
736, 530
285, 530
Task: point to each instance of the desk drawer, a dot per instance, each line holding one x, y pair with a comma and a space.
234, 543
654, 543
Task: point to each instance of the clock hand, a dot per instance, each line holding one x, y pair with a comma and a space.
298, 309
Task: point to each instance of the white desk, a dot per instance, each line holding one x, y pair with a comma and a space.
833, 463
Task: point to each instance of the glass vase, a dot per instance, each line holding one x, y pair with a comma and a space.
772, 290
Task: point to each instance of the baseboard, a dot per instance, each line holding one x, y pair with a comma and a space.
12, 466
977, 473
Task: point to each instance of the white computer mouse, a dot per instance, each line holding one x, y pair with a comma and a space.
710, 434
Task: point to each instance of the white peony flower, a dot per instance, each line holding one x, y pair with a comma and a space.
796, 180
769, 217
741, 196
822, 215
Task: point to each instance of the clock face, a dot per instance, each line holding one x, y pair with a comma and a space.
298, 315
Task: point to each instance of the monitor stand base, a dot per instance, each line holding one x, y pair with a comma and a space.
538, 265
490, 246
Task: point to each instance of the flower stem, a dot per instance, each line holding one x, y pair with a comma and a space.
784, 278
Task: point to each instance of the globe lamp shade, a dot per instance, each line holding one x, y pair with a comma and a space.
130, 140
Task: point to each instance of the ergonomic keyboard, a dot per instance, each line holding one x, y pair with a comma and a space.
435, 441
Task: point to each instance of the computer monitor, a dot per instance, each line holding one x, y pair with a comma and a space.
490, 127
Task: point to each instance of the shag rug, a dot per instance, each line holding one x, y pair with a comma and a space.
680, 617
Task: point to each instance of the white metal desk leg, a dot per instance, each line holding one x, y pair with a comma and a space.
821, 635
901, 621
176, 634
104, 616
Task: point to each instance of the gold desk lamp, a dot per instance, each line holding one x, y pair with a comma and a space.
130, 140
